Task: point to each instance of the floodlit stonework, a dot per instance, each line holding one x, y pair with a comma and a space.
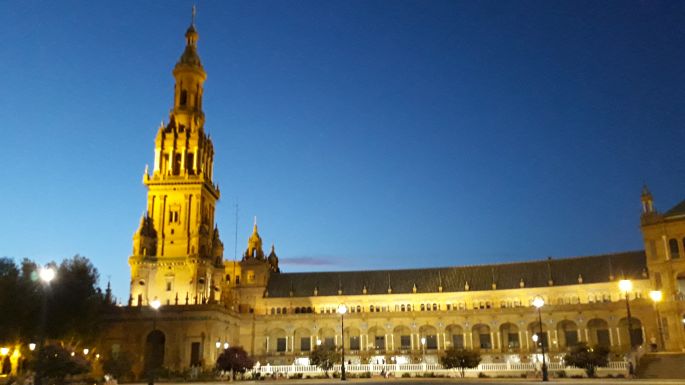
394, 315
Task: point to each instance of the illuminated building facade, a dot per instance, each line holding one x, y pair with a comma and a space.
399, 315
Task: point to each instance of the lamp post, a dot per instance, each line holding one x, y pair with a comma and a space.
539, 302
47, 274
423, 349
342, 309
155, 304
656, 297
626, 286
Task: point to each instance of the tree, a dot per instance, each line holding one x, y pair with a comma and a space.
324, 356
582, 356
118, 365
54, 363
461, 359
235, 360
69, 308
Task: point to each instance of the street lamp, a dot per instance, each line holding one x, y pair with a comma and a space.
539, 302
226, 345
342, 309
218, 344
656, 297
155, 304
423, 348
626, 286
47, 274
32, 346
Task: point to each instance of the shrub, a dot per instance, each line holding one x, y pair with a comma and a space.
482, 375
406, 375
582, 356
461, 359
560, 374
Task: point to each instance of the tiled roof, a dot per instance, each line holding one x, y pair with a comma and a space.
593, 269
676, 210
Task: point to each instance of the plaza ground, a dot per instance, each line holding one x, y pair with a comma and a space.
460, 381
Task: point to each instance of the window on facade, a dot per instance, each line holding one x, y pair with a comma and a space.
449, 306
354, 343
280, 344
305, 344
513, 341
329, 341
173, 216
571, 337
405, 342
485, 341
403, 308
603, 337
435, 307
168, 285
431, 342
423, 307
371, 308
359, 309
250, 276
458, 341
542, 339
184, 98
194, 354
673, 246
189, 163
379, 342
177, 164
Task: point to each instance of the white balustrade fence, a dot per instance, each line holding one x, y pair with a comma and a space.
491, 369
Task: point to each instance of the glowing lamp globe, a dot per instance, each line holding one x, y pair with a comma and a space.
538, 302
47, 274
656, 295
342, 309
625, 285
155, 304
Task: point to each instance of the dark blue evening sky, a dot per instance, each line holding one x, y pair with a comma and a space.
363, 134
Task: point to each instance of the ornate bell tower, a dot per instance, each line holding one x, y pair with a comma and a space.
177, 254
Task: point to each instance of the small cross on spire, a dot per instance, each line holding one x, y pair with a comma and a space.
194, 13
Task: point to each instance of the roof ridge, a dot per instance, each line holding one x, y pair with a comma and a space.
472, 265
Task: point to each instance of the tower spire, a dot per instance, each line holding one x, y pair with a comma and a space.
192, 21
647, 201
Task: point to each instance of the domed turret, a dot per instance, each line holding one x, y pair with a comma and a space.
273, 260
254, 245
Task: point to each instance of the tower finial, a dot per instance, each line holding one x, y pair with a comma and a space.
192, 22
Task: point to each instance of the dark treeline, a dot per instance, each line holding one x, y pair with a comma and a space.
67, 309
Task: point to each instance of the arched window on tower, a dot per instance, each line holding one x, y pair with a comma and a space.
184, 98
673, 245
